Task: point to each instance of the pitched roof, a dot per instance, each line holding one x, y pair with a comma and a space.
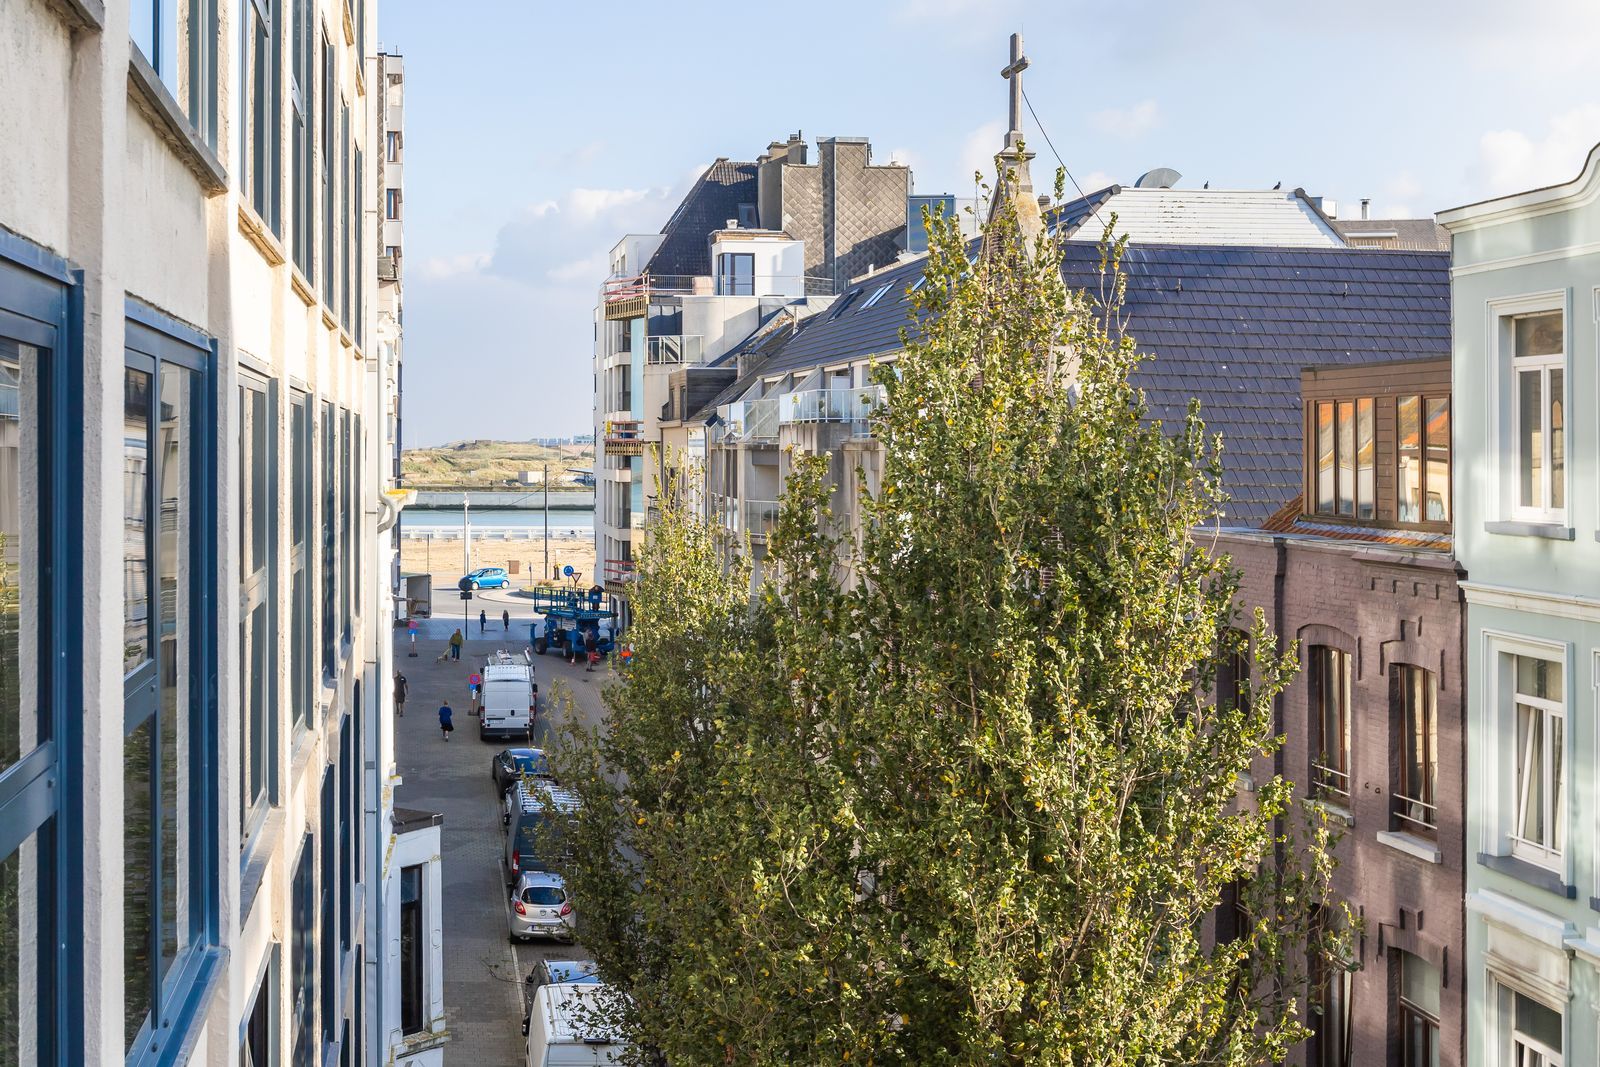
1290, 520
1281, 218
1231, 326
685, 250
1424, 234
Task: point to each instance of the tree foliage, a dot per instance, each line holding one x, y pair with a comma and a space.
960, 790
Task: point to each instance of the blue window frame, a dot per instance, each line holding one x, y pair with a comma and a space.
327, 937
41, 961
170, 796
302, 956
178, 38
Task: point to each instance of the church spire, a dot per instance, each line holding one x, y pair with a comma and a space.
1015, 180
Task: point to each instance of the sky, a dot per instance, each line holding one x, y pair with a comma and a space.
538, 133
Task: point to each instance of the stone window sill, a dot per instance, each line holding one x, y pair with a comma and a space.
1411, 845
156, 102
1334, 812
256, 856
1550, 530
83, 14
256, 231
1530, 873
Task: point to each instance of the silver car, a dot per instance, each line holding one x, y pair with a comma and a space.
540, 908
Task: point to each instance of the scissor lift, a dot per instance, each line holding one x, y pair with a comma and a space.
569, 613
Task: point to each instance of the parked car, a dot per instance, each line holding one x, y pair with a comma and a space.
486, 578
556, 972
509, 699
540, 908
536, 826
511, 765
568, 1027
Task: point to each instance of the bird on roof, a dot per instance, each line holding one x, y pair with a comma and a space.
1278, 186
1207, 185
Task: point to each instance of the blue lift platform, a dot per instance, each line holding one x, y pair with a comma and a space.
570, 613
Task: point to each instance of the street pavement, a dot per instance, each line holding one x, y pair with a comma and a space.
483, 969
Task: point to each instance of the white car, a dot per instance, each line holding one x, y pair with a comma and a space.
540, 907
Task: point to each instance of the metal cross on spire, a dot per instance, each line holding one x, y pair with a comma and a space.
1013, 74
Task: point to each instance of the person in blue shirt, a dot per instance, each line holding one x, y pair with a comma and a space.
445, 723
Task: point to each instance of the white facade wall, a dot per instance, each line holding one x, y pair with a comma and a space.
112, 187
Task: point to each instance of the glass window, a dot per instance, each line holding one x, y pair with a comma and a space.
1419, 1011
736, 274
167, 894
1325, 458
330, 507
1366, 485
327, 936
391, 203
326, 152
302, 97
1408, 447
413, 947
1347, 457
178, 38
258, 643
262, 109
1531, 1033
342, 251
1539, 830
1415, 700
259, 1046
1330, 707
392, 150
302, 649
1538, 408
1437, 470
1422, 448
346, 526
302, 956
347, 816
1331, 1013
136, 647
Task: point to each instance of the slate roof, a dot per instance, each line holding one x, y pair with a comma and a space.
1229, 325
715, 198
1281, 218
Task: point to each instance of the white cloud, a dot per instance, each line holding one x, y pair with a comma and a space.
1514, 160
588, 270
587, 205
1129, 123
978, 152
440, 268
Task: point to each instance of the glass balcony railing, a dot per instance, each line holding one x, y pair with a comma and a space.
853, 405
669, 350
750, 420
760, 516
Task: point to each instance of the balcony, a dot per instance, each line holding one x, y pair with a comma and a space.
618, 570
755, 518
754, 421
628, 297
623, 437
672, 350
852, 406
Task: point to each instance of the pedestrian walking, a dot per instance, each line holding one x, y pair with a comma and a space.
505, 620
446, 723
400, 688
483, 621
591, 650
456, 640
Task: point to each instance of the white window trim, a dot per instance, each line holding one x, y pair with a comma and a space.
1501, 1031
1498, 765
1502, 394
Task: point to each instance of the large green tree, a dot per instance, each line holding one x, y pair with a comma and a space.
958, 791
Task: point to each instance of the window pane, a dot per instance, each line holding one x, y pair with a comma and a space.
1419, 983
20, 980
1558, 439
1530, 773
1539, 678
1539, 335
412, 947
1538, 1022
20, 730
1325, 458
1438, 459
138, 896
135, 521
1530, 439
1366, 489
1419, 750
178, 484
1347, 457
1409, 447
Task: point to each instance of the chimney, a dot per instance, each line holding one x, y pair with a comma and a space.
796, 148
1366, 203
776, 150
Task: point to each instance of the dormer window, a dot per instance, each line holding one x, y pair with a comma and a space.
1346, 483
1422, 474
736, 274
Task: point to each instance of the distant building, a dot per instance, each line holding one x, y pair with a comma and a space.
749, 240
1526, 282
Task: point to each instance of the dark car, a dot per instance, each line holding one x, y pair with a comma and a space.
552, 972
511, 765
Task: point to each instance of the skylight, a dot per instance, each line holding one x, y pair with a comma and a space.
875, 297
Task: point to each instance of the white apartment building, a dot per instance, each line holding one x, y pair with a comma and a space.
196, 755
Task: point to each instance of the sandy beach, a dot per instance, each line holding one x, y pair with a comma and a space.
524, 558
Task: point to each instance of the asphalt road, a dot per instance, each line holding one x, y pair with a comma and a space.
483, 969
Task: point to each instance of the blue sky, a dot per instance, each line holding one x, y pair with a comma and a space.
537, 133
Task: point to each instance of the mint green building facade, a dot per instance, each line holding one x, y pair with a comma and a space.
1526, 370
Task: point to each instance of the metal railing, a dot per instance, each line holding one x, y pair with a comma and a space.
1330, 783
677, 348
1417, 815
619, 570
623, 437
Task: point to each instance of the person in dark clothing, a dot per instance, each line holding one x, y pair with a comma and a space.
400, 688
483, 621
590, 649
446, 723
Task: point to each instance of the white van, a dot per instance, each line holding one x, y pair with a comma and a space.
510, 698
564, 1031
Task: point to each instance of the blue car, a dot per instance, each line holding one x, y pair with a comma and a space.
486, 578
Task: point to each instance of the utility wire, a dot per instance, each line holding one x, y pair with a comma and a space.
1094, 209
